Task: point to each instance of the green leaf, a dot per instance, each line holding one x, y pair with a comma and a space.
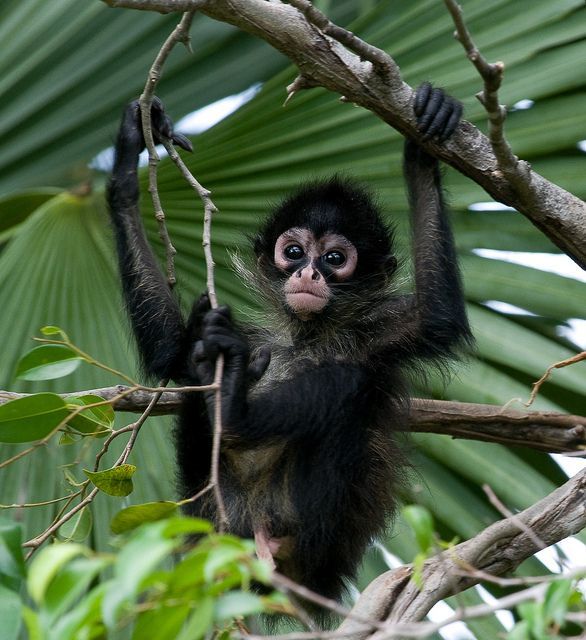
186, 525
12, 568
238, 604
33, 624
421, 521
70, 583
31, 418
225, 552
10, 614
200, 621
47, 564
96, 421
47, 362
77, 528
556, 601
116, 481
84, 620
520, 632
137, 560
67, 438
138, 514
532, 613
167, 619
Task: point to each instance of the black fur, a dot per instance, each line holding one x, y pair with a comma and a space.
309, 450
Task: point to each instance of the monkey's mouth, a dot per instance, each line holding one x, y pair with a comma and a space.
306, 301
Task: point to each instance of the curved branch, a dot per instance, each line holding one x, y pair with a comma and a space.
498, 549
322, 60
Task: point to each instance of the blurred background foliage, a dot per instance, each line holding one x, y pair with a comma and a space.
66, 70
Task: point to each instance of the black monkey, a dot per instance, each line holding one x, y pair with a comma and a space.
309, 461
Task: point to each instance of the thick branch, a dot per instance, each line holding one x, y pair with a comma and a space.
323, 61
542, 430
498, 549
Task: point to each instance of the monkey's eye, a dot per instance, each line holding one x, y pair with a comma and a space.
335, 258
293, 252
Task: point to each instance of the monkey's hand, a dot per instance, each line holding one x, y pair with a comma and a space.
131, 134
438, 114
220, 336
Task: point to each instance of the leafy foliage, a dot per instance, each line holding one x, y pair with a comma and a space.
207, 589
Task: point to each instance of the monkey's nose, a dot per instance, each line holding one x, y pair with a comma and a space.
308, 273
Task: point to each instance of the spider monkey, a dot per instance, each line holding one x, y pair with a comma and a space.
311, 404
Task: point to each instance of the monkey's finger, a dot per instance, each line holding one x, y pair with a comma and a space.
421, 97
257, 368
182, 141
205, 372
202, 304
163, 126
432, 108
224, 342
438, 124
199, 351
453, 121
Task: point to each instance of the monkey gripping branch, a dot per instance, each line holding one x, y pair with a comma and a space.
331, 57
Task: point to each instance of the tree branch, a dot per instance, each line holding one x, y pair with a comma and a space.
322, 60
498, 549
542, 430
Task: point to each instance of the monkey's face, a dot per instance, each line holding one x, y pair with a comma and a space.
311, 264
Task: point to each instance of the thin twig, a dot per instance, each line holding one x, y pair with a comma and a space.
108, 441
179, 34
29, 505
286, 584
492, 74
421, 629
525, 581
36, 542
557, 365
209, 210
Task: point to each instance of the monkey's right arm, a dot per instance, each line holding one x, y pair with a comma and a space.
319, 402
154, 312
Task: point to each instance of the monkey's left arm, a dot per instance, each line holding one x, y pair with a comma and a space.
436, 319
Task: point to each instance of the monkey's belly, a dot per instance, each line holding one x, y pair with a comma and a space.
261, 489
